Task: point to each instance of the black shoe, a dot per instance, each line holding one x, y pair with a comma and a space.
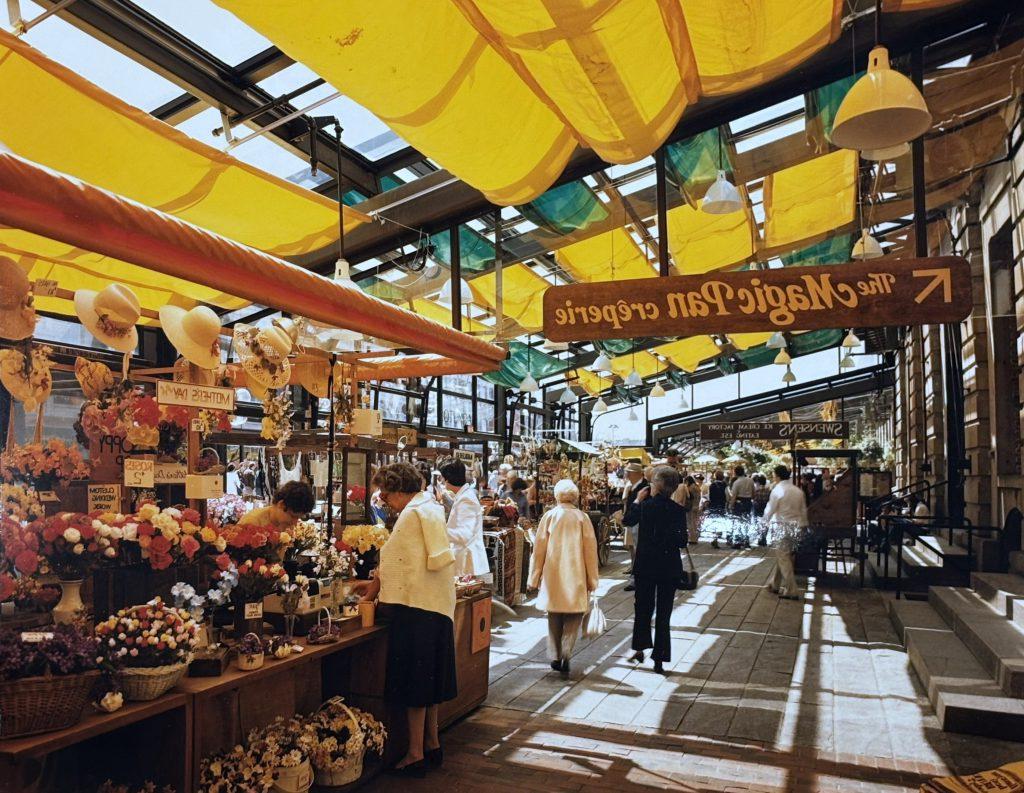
659, 668
565, 666
629, 588
434, 757
638, 656
417, 770
556, 665
714, 544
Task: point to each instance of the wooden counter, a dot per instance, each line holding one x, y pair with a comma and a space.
165, 740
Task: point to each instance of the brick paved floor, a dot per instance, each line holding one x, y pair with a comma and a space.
764, 694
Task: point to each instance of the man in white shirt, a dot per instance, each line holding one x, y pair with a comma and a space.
786, 516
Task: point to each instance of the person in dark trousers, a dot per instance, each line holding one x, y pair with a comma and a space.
636, 483
718, 498
658, 567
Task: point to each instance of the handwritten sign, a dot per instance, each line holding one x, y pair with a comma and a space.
190, 395
104, 498
139, 471
773, 430
204, 486
44, 287
254, 611
170, 473
858, 294
465, 456
34, 637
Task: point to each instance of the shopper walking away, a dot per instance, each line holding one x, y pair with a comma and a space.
564, 568
465, 523
761, 493
416, 587
741, 504
786, 516
718, 498
636, 483
658, 567
692, 511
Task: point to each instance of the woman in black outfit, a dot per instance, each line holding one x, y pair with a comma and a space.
658, 566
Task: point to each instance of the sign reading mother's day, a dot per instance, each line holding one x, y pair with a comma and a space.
858, 294
191, 395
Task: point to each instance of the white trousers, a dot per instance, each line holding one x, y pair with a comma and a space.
784, 577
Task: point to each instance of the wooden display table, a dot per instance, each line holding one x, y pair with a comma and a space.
165, 740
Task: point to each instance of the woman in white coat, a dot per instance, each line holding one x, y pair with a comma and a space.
564, 569
465, 523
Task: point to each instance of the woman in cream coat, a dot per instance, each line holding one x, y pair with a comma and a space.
564, 568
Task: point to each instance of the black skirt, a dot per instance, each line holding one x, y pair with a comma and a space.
421, 657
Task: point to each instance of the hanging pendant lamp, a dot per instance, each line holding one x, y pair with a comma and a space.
847, 362
851, 341
783, 358
789, 377
632, 415
657, 391
881, 110
633, 379
567, 397
528, 384
602, 364
776, 342
887, 153
683, 404
445, 298
722, 198
600, 406
866, 247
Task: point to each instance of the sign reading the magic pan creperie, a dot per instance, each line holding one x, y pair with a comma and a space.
858, 294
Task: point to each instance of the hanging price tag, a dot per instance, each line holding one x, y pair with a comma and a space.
254, 611
34, 637
44, 287
139, 471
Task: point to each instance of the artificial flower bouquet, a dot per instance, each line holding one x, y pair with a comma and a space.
276, 424
365, 538
240, 768
42, 466
227, 510
26, 594
333, 559
45, 684
68, 544
243, 541
169, 534
20, 502
251, 651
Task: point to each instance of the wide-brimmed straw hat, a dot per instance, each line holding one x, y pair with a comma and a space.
17, 314
314, 376
263, 353
634, 468
195, 334
110, 315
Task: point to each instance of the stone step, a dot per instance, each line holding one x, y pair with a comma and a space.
965, 698
914, 614
996, 642
1017, 562
951, 554
1004, 592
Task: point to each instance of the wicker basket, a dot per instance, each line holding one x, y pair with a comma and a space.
33, 705
326, 777
142, 685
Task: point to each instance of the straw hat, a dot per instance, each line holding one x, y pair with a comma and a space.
110, 315
17, 315
288, 325
185, 372
313, 376
263, 353
635, 468
194, 333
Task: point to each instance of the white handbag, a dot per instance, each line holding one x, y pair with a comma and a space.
594, 623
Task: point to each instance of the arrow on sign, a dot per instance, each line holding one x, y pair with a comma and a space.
942, 277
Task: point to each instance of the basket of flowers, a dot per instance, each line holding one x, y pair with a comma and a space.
250, 652
325, 631
341, 738
150, 646
45, 684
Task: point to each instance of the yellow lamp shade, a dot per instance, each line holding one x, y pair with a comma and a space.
882, 110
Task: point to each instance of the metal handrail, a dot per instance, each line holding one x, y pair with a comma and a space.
878, 502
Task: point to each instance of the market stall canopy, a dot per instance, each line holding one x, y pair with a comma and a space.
77, 128
579, 446
533, 79
57, 206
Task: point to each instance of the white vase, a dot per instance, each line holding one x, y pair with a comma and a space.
70, 605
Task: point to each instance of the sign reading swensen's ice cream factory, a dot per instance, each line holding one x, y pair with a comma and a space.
858, 294
773, 430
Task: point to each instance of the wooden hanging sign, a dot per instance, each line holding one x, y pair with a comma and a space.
858, 294
773, 430
191, 395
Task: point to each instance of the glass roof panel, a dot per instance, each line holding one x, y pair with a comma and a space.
95, 61
218, 32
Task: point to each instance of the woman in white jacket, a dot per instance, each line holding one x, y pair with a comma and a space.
564, 568
465, 523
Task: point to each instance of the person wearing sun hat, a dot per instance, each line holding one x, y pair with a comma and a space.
263, 353
110, 315
195, 334
17, 314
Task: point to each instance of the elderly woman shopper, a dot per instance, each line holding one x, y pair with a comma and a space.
658, 567
416, 586
564, 569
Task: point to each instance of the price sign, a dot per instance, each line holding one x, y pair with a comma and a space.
139, 471
204, 486
254, 611
171, 473
44, 287
34, 637
104, 498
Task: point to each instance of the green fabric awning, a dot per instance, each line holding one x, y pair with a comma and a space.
693, 163
567, 208
476, 253
830, 251
522, 359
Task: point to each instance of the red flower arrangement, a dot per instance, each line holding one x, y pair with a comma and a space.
67, 543
245, 541
357, 494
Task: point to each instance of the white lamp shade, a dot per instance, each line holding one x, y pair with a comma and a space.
881, 110
776, 342
528, 384
722, 198
847, 362
851, 341
445, 298
789, 377
683, 404
567, 397
600, 406
887, 153
866, 247
783, 358
602, 363
632, 415
341, 270
634, 379
657, 391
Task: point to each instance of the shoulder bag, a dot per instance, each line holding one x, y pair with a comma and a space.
690, 577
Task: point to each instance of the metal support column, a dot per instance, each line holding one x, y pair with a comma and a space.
661, 191
456, 273
331, 423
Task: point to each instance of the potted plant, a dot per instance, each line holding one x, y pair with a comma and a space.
45, 679
280, 647
341, 738
334, 562
250, 652
366, 541
149, 646
254, 580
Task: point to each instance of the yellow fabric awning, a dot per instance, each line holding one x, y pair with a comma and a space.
644, 363
591, 383
701, 242
500, 93
70, 125
613, 255
811, 198
744, 341
443, 314
687, 353
521, 290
